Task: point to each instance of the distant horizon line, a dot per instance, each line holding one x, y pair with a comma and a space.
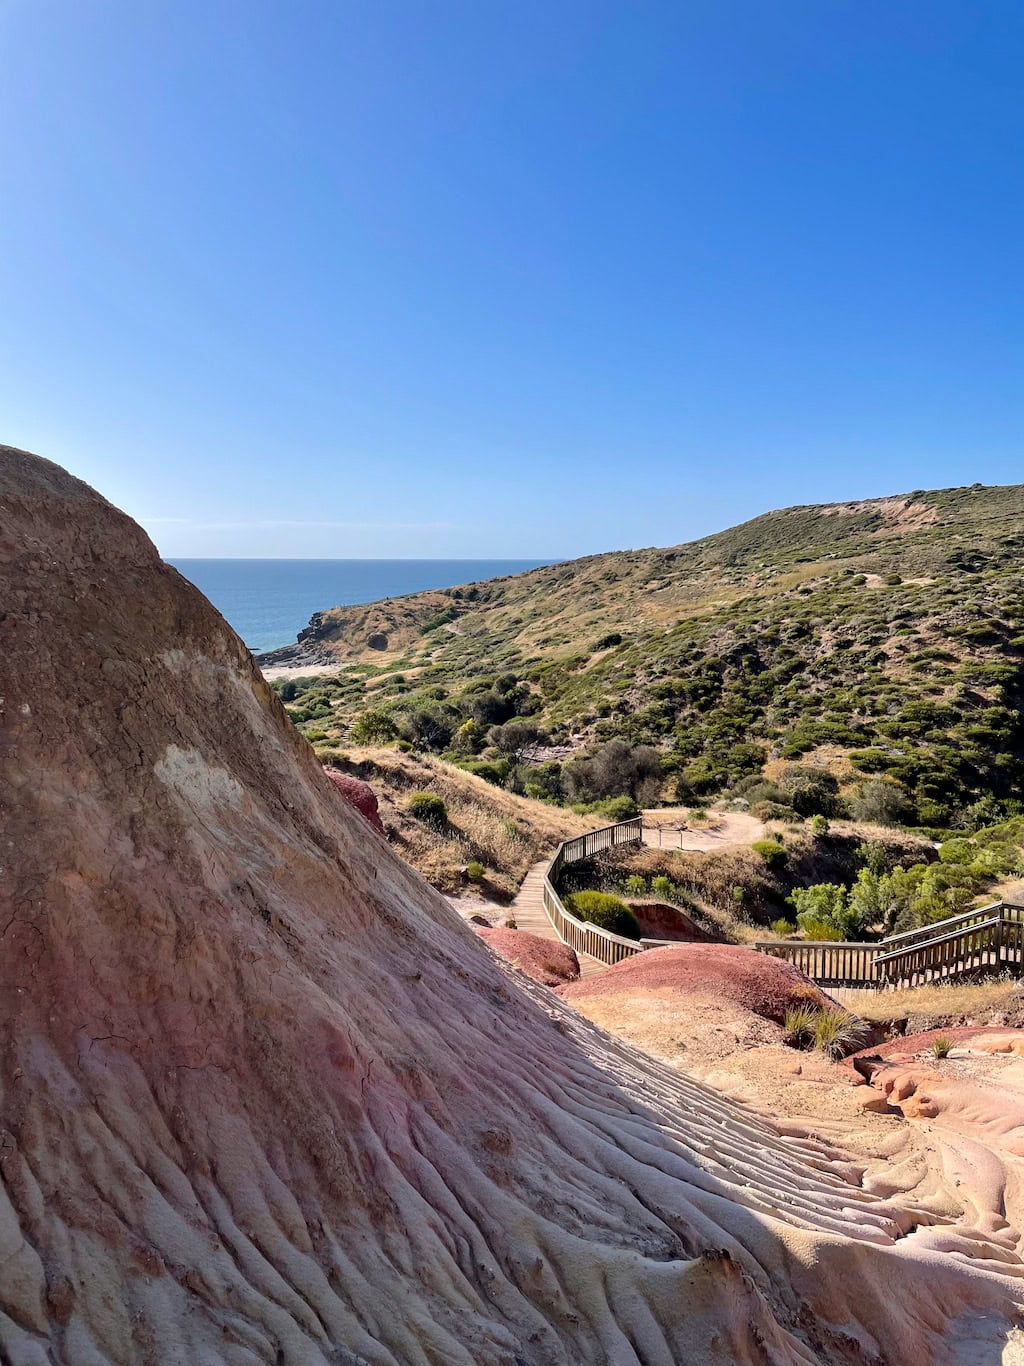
376, 559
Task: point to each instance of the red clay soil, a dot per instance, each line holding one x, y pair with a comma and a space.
550, 964
767, 986
358, 794
659, 921
912, 1045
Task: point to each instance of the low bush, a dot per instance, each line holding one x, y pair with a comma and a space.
942, 1046
494, 771
837, 1033
799, 1024
475, 871
429, 809
607, 912
615, 808
771, 853
783, 927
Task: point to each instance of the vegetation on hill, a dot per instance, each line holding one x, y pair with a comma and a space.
469, 837
879, 644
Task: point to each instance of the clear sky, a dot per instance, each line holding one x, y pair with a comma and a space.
508, 277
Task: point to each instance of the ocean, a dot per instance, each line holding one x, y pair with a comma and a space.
268, 602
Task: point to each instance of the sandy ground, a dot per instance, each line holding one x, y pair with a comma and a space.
669, 827
297, 671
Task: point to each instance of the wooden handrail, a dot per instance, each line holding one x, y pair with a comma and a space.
928, 931
986, 938
939, 939
581, 935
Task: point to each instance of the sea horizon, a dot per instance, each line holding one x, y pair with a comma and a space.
269, 600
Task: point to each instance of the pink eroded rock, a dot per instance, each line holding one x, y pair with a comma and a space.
358, 794
544, 960
267, 1100
762, 984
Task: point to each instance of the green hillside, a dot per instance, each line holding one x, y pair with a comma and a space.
881, 639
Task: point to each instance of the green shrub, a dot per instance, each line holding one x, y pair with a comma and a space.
636, 885
837, 1033
819, 826
606, 642
615, 808
799, 1024
336, 758
429, 809
942, 1046
881, 803
494, 771
375, 727
607, 912
827, 911
771, 853
475, 871
783, 927
663, 887
816, 930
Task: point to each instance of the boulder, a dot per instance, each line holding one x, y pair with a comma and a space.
357, 794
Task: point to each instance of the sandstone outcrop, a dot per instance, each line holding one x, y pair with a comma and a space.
765, 986
266, 1099
550, 964
358, 794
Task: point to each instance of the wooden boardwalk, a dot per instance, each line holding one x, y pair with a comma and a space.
530, 915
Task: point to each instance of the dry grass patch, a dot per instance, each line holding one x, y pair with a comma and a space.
978, 1002
486, 824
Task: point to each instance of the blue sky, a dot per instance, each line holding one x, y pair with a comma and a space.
535, 278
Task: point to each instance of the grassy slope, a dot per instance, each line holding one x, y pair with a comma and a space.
506, 833
782, 631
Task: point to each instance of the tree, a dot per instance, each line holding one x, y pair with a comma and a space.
429, 727
375, 727
515, 739
617, 769
876, 899
881, 803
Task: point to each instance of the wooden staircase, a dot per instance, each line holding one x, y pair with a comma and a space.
983, 942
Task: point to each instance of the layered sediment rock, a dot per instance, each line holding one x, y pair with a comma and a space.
265, 1099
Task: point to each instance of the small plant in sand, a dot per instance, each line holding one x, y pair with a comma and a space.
475, 871
942, 1046
799, 1024
837, 1033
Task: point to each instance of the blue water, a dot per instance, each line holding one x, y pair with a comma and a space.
269, 601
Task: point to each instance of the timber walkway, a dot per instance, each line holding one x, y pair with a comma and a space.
530, 915
986, 941
978, 943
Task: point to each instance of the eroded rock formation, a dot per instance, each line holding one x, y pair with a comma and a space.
265, 1099
358, 794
